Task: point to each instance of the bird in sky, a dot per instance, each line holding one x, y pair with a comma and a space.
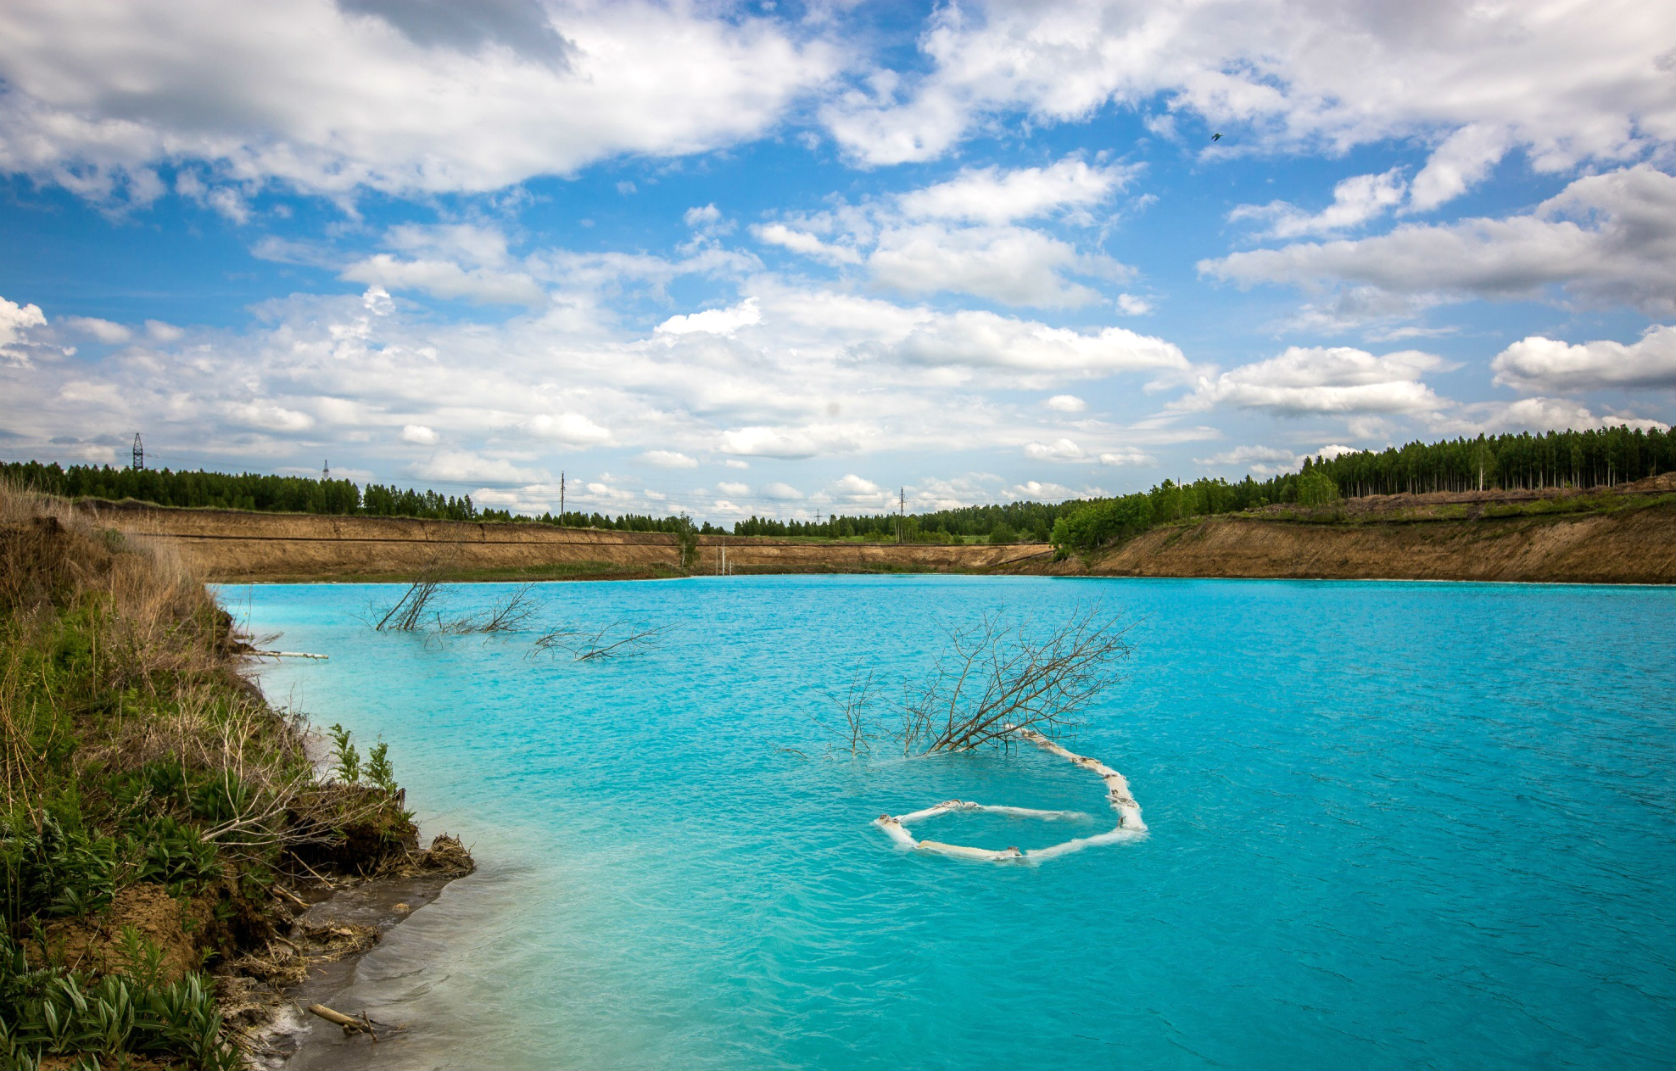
1216, 137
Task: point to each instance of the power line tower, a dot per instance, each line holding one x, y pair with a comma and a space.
561, 496
325, 471
901, 511
139, 453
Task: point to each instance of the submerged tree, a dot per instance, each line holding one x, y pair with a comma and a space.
408, 613
996, 679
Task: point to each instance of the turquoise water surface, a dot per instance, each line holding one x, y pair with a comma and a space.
1391, 825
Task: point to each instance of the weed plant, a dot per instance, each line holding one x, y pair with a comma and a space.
133, 753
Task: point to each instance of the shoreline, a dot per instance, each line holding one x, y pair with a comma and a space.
331, 934
1628, 540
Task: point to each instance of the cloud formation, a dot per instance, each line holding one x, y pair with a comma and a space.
1544, 365
1337, 379
402, 98
1567, 83
1609, 239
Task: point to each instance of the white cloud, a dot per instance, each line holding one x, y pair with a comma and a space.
1058, 450
702, 215
1457, 165
781, 492
858, 492
1536, 415
793, 442
329, 100
1356, 200
164, 332
993, 196
269, 417
573, 429
1014, 265
1335, 379
16, 321
447, 280
104, 330
1039, 491
464, 243
1541, 364
1246, 455
1608, 238
730, 487
1066, 403
824, 374
466, 466
979, 339
669, 459
1127, 457
1131, 305
714, 321
803, 242
377, 301
1566, 82
735, 463
229, 204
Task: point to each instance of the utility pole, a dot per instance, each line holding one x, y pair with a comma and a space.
325, 471
561, 496
139, 453
901, 511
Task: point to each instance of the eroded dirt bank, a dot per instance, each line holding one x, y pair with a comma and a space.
231, 546
1631, 547
1411, 538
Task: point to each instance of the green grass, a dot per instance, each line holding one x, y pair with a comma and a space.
133, 754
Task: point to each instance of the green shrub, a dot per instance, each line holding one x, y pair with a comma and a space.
51, 1011
52, 871
347, 759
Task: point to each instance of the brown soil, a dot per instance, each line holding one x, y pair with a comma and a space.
232, 546
1441, 536
95, 943
1631, 546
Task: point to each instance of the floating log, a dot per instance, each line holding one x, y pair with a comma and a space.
289, 654
350, 1024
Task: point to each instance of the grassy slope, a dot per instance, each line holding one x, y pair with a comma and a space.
152, 802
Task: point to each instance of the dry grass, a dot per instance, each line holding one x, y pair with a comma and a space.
115, 659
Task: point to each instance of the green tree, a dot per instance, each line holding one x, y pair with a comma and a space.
1316, 488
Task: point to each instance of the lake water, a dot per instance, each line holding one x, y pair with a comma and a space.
1391, 825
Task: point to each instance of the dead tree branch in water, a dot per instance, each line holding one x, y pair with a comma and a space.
858, 697
511, 614
410, 608
995, 679
613, 640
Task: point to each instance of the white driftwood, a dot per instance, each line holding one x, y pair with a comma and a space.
289, 654
350, 1024
1129, 824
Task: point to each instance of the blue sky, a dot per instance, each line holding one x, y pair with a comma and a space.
785, 259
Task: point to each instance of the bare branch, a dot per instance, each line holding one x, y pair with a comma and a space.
615, 639
510, 614
996, 679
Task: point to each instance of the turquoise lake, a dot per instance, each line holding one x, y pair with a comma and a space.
1390, 825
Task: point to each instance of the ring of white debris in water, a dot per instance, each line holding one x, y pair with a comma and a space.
1129, 824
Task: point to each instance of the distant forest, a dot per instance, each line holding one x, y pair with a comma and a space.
1557, 459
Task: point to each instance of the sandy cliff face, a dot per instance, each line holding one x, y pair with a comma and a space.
227, 546
1633, 546
1636, 547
